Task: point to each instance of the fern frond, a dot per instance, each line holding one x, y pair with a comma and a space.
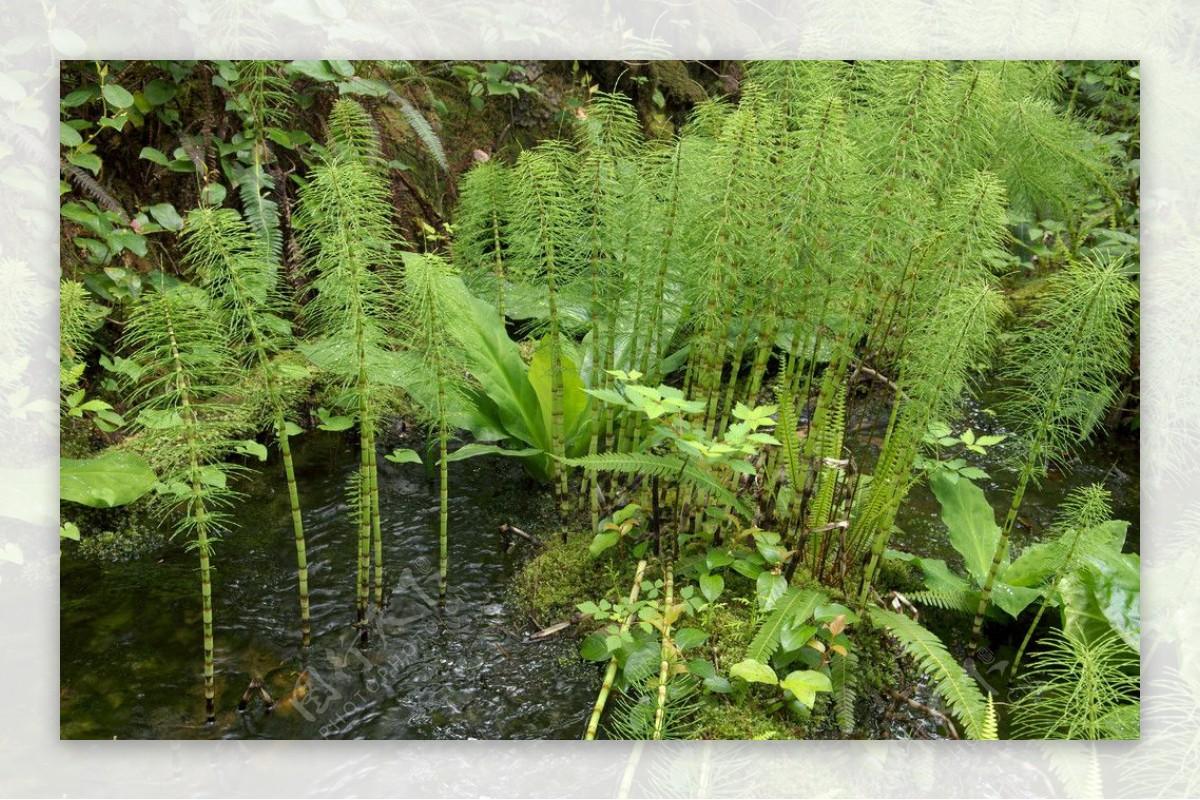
795, 604
947, 599
262, 213
958, 689
670, 467
423, 129
991, 725
844, 678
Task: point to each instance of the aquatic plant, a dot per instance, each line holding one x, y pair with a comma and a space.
238, 268
177, 339
347, 234
1061, 376
433, 303
1078, 689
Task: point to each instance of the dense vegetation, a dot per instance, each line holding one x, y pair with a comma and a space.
731, 334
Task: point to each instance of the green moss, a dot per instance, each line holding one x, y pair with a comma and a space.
748, 719
559, 577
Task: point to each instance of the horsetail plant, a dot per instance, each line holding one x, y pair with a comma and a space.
1061, 375
433, 303
177, 340
542, 223
236, 266
347, 233
1079, 527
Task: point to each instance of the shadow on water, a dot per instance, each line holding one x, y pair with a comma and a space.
131, 655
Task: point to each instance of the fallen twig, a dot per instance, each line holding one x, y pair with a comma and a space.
506, 530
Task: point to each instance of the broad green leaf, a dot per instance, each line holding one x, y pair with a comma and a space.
474, 449
971, 522
112, 479
805, 684
211, 476
830, 611
610, 396
1115, 583
574, 397
213, 194
711, 586
643, 662
718, 685
938, 576
700, 667
160, 91
686, 638
594, 648
769, 588
117, 95
252, 448
159, 420
717, 558
1013, 599
495, 361
330, 422
603, 541
319, 70
89, 161
753, 671
166, 215
134, 242
68, 530
795, 634
155, 155
68, 136
403, 455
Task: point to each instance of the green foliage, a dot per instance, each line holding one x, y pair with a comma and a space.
1061, 374
106, 481
1071, 347
347, 233
1079, 689
791, 610
971, 523
177, 339
78, 317
953, 685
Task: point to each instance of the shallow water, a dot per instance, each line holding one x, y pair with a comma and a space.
131, 646
131, 654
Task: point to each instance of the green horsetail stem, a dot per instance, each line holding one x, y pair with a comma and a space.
660, 712
610, 674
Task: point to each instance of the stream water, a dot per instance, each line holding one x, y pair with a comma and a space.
131, 655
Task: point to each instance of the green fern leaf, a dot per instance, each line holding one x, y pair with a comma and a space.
423, 129
991, 727
795, 604
261, 212
959, 691
844, 678
662, 467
